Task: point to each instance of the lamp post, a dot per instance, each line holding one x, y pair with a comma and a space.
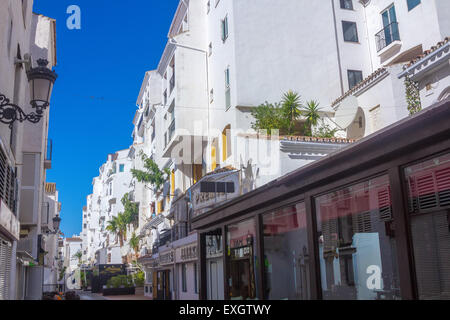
41, 80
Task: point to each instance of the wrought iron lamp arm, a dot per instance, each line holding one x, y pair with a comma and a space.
9, 113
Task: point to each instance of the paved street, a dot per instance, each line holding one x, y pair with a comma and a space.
87, 295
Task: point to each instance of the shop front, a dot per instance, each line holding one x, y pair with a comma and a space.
186, 268
163, 276
371, 222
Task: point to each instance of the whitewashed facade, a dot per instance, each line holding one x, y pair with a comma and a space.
114, 181
25, 149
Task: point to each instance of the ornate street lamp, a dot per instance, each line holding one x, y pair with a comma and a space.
56, 222
41, 80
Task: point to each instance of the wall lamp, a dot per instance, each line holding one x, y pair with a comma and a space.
41, 80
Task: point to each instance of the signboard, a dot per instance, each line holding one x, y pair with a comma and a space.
214, 190
8, 221
166, 258
187, 253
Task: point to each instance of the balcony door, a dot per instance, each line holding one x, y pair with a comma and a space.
390, 25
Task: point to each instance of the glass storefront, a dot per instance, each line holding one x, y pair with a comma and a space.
428, 185
286, 254
356, 242
214, 266
242, 259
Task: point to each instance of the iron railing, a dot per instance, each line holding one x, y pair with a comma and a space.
386, 36
172, 83
49, 154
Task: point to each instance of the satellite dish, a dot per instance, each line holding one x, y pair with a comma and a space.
346, 112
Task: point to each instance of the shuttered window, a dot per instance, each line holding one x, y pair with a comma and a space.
428, 186
7, 182
5, 268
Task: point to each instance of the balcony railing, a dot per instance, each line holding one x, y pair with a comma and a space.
171, 130
49, 150
172, 83
386, 36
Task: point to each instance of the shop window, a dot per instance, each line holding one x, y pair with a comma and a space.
214, 265
195, 278
356, 242
242, 259
183, 278
428, 185
286, 254
226, 143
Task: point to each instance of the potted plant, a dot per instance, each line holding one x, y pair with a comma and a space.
139, 281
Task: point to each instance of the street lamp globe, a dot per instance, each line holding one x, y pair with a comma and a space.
41, 81
56, 222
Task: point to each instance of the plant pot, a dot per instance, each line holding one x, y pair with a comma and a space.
139, 291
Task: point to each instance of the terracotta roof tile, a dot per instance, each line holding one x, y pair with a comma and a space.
427, 52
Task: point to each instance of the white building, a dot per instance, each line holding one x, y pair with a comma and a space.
394, 34
72, 246
25, 38
50, 210
99, 245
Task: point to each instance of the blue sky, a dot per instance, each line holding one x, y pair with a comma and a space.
100, 69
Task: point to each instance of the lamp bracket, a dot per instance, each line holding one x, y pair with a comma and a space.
26, 61
9, 113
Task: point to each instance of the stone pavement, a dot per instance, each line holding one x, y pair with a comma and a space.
87, 295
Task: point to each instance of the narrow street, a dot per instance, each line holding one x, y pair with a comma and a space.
87, 295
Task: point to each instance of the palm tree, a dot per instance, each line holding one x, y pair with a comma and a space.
122, 225
113, 226
78, 256
311, 113
290, 106
134, 243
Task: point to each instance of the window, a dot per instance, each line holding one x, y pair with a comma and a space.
227, 89
356, 242
412, 4
354, 77
121, 168
211, 95
350, 31
183, 278
242, 261
224, 25
390, 32
286, 248
195, 278
210, 49
347, 4
428, 185
226, 143
208, 6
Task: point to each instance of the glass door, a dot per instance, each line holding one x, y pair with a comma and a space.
390, 25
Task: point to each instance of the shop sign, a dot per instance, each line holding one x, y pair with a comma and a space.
223, 182
166, 258
188, 253
9, 221
214, 246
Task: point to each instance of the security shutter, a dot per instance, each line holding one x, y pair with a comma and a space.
5, 268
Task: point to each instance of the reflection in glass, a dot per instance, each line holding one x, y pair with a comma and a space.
286, 255
214, 265
429, 202
242, 261
356, 242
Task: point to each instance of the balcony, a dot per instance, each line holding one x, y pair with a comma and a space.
25, 247
388, 39
48, 155
172, 83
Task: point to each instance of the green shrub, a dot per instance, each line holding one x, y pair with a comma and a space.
119, 281
139, 279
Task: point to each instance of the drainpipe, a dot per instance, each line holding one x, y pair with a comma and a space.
337, 47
